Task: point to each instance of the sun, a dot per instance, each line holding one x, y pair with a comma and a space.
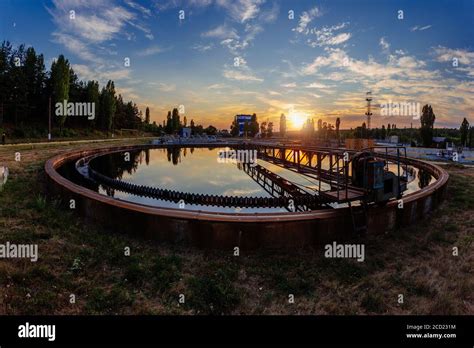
297, 119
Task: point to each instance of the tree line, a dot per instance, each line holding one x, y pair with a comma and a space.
26, 87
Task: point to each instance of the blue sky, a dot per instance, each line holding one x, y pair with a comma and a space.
243, 56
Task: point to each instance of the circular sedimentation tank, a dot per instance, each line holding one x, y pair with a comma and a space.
154, 201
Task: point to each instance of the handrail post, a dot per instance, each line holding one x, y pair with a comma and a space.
347, 177
337, 175
398, 162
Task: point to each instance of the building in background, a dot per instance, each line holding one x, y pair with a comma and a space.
240, 120
185, 132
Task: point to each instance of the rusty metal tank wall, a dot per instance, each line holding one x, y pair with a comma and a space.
226, 230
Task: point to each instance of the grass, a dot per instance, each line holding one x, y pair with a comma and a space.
215, 291
91, 264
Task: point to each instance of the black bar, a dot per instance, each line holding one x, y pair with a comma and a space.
241, 329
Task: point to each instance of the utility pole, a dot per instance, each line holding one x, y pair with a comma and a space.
49, 119
368, 113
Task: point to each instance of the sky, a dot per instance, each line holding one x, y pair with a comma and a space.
219, 58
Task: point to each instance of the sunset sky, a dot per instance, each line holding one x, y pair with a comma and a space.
244, 56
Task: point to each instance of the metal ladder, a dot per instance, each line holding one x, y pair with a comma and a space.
359, 219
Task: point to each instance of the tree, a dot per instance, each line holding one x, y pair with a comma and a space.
147, 115
282, 125
234, 129
324, 130
270, 130
338, 124
471, 137
383, 133
263, 129
247, 129
6, 51
427, 120
320, 128
60, 75
93, 96
211, 130
253, 125
25, 87
120, 116
108, 106
76, 87
330, 131
35, 83
169, 124
464, 132
175, 122
133, 116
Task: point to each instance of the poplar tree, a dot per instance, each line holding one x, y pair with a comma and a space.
464, 131
147, 115
60, 74
282, 125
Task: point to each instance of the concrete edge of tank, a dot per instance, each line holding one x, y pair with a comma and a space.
227, 230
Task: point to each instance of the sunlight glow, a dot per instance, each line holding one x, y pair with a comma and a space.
297, 119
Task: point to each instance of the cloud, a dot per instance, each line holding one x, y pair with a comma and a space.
409, 62
326, 36
164, 5
251, 32
274, 93
150, 51
77, 47
241, 76
444, 54
270, 15
203, 48
384, 44
101, 74
94, 25
167, 88
400, 77
199, 3
128, 93
316, 85
238, 10
217, 86
145, 11
306, 18
338, 39
231, 39
404, 66
241, 10
322, 61
94, 21
289, 85
418, 28
221, 32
